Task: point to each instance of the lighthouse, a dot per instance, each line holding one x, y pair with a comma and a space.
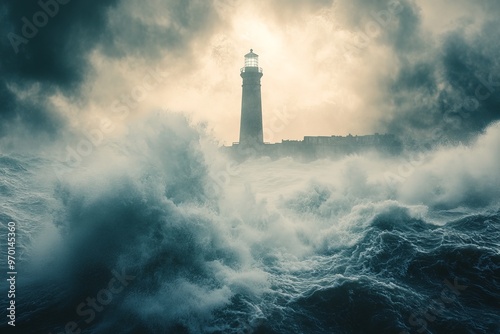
251, 133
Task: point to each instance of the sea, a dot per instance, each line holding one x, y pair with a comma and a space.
157, 231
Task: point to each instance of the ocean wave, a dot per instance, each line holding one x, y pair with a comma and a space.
204, 244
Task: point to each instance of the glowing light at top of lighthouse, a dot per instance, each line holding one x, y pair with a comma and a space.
251, 59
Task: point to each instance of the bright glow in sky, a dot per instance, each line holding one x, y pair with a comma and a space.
310, 86
330, 68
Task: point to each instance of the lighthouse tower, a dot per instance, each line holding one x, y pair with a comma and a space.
251, 102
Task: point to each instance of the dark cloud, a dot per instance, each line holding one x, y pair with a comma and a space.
447, 90
161, 27
434, 93
46, 58
56, 53
54, 57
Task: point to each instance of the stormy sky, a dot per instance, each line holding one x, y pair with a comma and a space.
427, 70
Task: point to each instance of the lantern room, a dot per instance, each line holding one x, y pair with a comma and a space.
251, 59
251, 63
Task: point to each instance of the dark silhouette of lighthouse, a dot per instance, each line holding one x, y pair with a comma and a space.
251, 102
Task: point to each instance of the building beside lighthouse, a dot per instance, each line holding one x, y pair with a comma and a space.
251, 130
251, 140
